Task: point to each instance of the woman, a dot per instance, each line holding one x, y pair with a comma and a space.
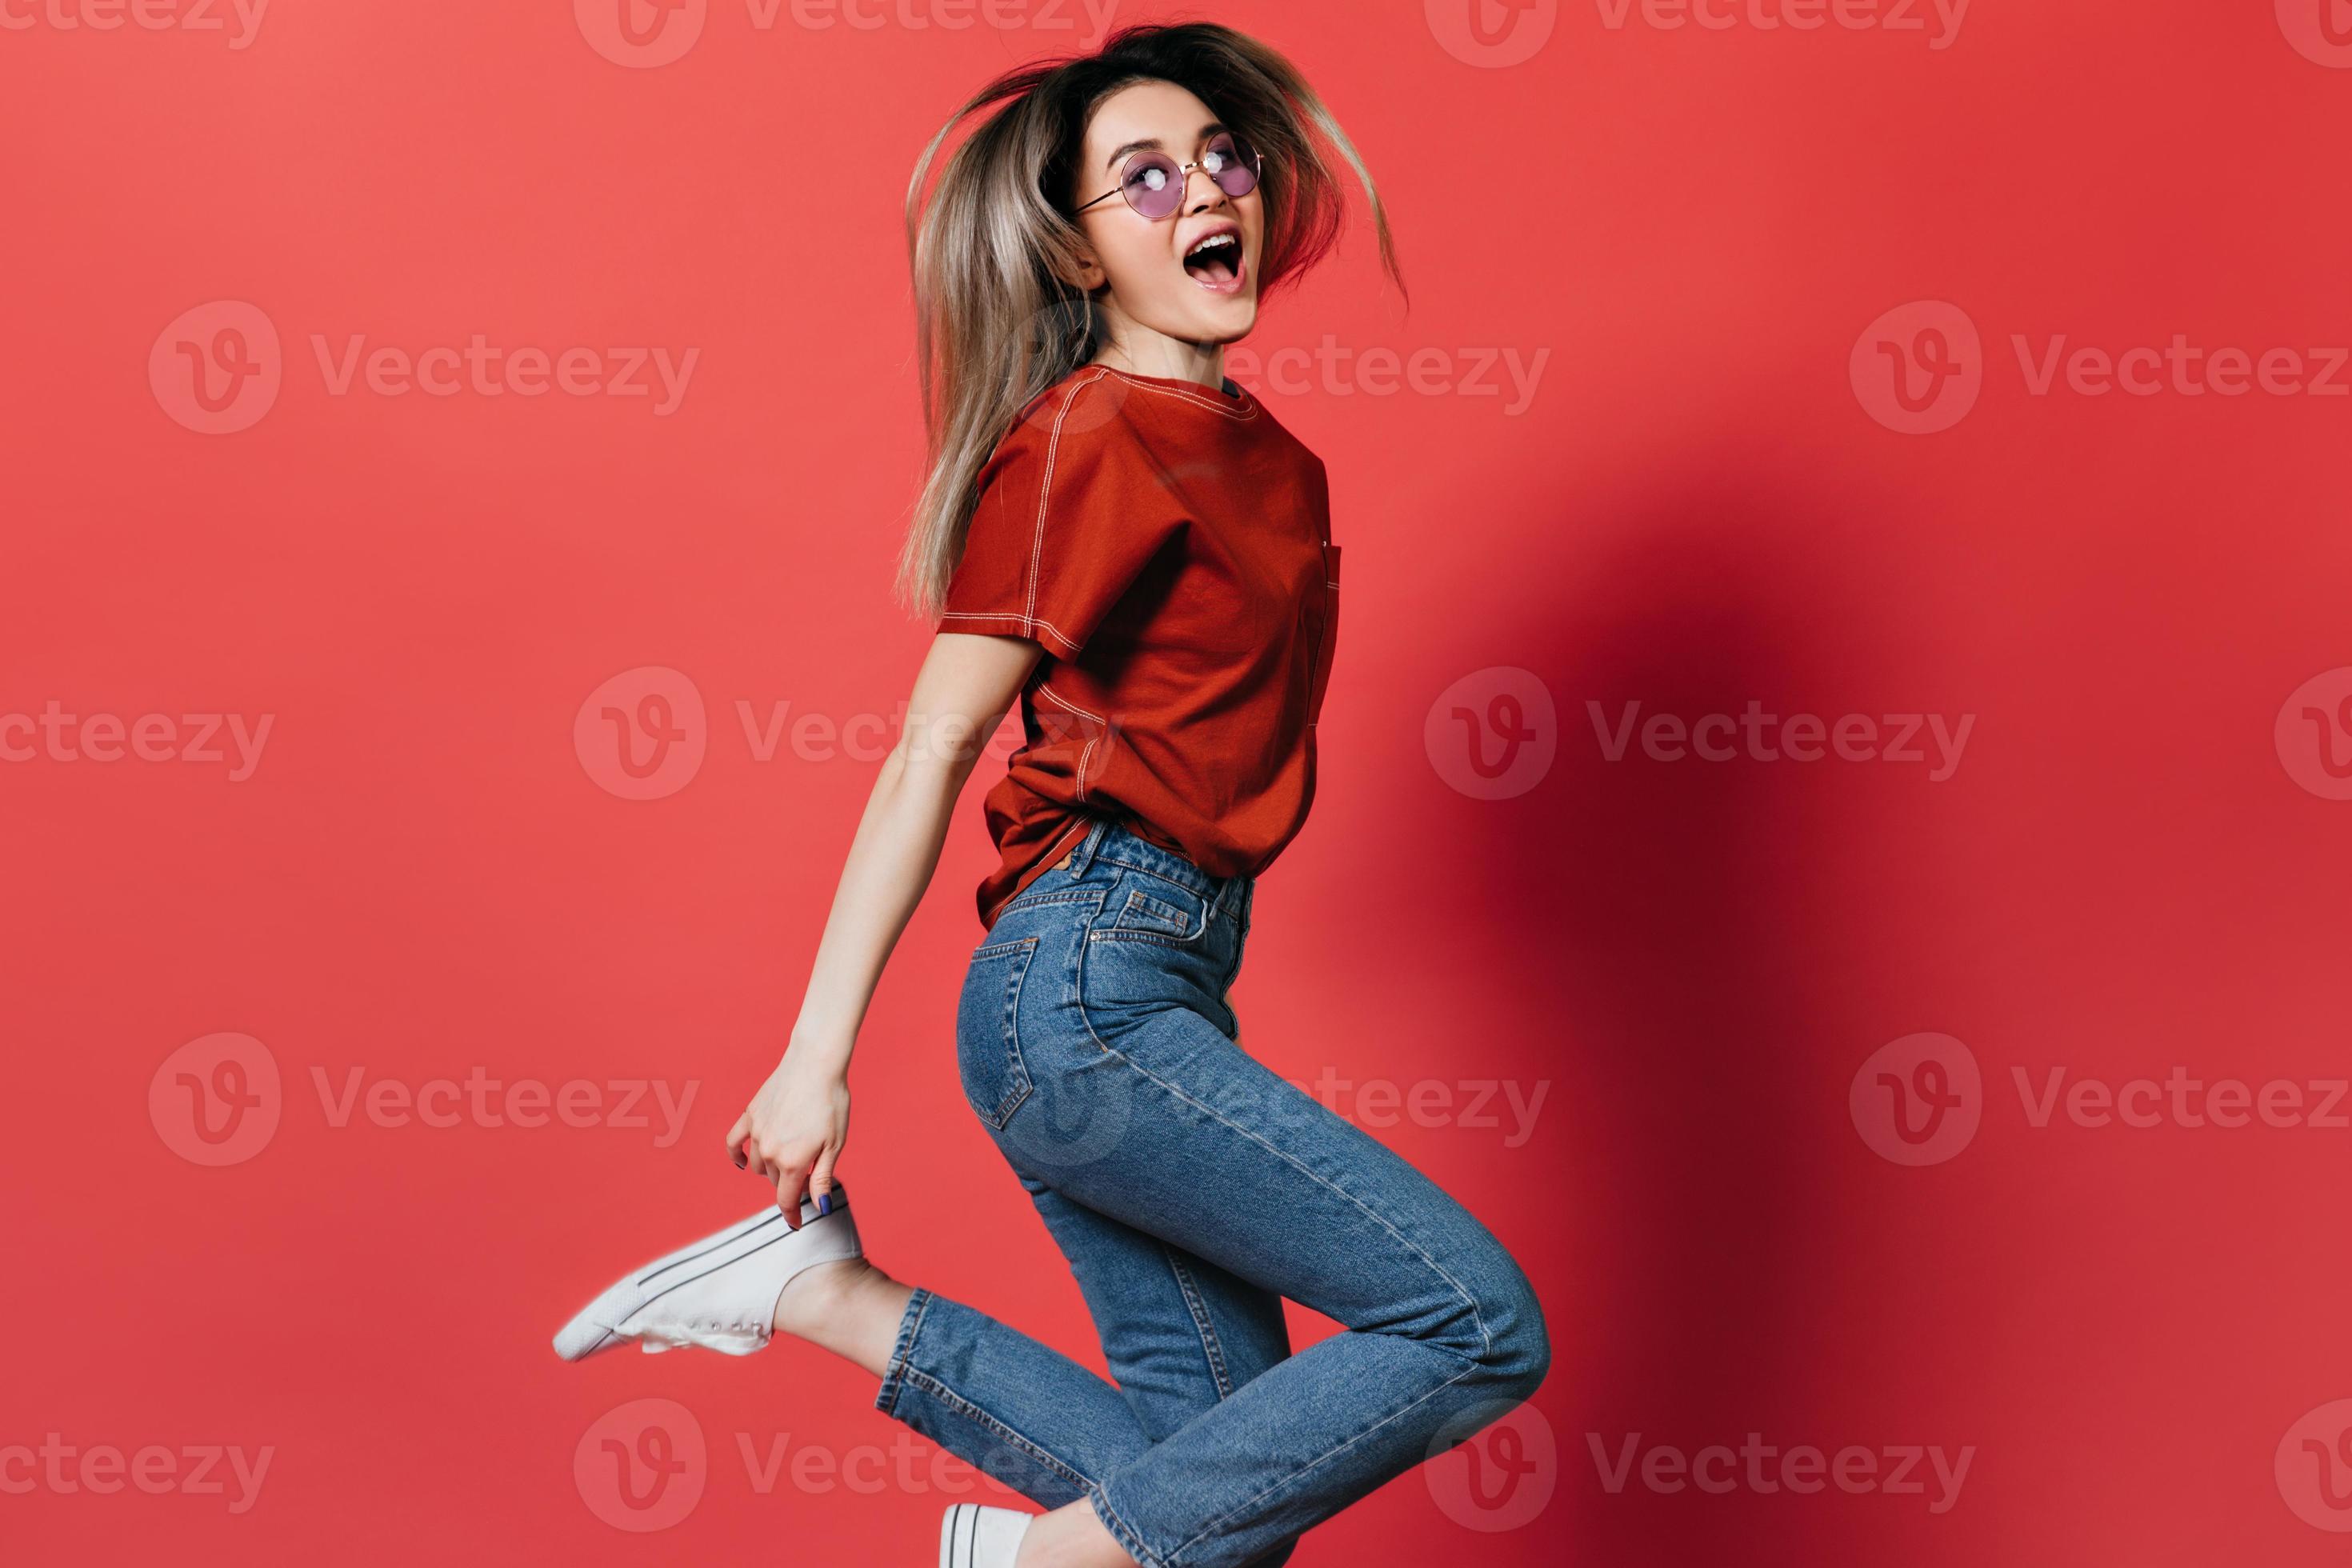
1131, 547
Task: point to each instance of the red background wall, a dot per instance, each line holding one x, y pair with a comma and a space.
2136, 865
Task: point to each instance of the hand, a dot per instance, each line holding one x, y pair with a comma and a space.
792, 1132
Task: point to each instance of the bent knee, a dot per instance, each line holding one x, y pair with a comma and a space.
1505, 1332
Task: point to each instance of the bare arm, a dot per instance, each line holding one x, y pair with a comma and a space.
794, 1128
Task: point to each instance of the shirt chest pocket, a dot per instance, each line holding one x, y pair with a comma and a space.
1326, 633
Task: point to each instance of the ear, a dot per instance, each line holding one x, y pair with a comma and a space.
1082, 271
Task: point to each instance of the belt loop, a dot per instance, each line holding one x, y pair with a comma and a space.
1084, 855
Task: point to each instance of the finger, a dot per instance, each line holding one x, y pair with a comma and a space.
819, 1187
735, 1136
788, 1188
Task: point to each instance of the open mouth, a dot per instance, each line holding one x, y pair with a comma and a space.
1215, 261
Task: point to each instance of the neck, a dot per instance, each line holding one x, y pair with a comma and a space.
1139, 351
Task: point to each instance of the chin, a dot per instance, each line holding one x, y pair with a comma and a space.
1230, 325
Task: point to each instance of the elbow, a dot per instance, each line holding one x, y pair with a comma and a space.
918, 767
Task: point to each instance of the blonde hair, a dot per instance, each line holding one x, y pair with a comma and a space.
996, 321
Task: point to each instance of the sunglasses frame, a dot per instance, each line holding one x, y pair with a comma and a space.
1184, 176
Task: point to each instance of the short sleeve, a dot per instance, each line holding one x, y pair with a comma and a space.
1068, 516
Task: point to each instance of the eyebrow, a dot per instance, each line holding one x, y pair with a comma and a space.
1153, 145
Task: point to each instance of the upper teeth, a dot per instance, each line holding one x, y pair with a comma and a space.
1226, 238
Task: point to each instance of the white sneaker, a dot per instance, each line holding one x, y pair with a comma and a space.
719, 1293
973, 1536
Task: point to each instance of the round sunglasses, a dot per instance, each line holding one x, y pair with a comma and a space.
1154, 184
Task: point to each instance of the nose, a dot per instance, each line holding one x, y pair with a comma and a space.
1216, 196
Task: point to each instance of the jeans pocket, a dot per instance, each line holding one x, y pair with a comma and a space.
988, 1045
1164, 909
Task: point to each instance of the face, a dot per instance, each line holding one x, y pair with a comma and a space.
1161, 275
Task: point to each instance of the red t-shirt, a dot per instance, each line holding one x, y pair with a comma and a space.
1169, 547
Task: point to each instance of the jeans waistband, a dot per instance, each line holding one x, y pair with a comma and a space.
1108, 842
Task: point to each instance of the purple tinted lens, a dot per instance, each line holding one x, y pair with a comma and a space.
1154, 185
1233, 166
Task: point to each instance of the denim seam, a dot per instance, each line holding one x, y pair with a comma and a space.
1179, 918
1038, 900
1207, 894
1210, 1346
1468, 1368
1485, 1336
1123, 1533
1013, 1098
901, 1353
978, 1417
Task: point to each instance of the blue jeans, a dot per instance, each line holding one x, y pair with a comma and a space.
1191, 1190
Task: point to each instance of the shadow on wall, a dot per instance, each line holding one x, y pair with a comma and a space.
1675, 928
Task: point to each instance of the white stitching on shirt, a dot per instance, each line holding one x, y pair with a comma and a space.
1204, 400
1046, 491
1088, 749
1026, 623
